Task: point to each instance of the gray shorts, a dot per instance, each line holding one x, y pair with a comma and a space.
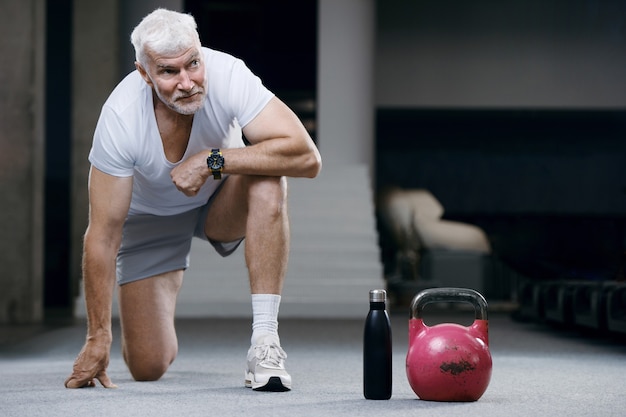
152, 245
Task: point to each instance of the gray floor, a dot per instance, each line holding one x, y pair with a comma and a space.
537, 372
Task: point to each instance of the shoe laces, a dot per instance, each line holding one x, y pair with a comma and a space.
270, 354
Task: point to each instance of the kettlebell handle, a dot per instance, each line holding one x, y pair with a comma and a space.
445, 295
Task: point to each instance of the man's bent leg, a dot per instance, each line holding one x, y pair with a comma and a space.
257, 207
149, 342
267, 236
267, 253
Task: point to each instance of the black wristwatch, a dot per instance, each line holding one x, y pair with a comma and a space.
215, 162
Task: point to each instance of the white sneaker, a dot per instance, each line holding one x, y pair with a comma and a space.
266, 366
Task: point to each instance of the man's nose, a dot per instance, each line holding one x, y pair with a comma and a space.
184, 81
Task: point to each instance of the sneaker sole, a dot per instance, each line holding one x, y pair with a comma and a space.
274, 384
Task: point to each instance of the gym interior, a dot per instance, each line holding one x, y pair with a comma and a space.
465, 144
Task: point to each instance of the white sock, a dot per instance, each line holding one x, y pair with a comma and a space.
264, 315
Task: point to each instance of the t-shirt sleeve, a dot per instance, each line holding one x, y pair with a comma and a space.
248, 96
111, 151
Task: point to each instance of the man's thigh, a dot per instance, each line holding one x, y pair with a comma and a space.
228, 212
228, 215
147, 308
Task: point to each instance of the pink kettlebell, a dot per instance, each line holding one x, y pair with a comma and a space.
448, 361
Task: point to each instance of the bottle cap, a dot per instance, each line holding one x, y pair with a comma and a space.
378, 296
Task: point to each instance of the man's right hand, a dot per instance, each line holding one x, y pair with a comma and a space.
90, 365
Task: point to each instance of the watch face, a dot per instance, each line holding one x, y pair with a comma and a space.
216, 161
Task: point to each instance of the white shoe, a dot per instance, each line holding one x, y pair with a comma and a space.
266, 366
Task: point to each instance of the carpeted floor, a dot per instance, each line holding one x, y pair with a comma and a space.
537, 371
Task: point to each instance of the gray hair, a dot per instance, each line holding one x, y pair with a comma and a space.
164, 32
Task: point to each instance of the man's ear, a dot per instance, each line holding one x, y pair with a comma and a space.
143, 73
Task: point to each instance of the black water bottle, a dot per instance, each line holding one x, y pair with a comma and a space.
377, 349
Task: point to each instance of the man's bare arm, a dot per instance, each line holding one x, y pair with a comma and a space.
281, 146
109, 200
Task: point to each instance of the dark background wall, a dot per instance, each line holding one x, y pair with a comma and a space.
277, 39
57, 196
490, 53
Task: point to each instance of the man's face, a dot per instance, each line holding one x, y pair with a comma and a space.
179, 80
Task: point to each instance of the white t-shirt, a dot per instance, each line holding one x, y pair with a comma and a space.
127, 141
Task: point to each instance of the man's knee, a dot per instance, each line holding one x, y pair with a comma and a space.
269, 194
148, 366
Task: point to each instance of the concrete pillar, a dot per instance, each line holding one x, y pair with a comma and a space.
22, 29
95, 72
345, 101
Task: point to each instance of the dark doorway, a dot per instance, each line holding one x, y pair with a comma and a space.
276, 38
57, 282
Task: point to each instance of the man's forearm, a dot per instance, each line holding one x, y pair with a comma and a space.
274, 158
99, 284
